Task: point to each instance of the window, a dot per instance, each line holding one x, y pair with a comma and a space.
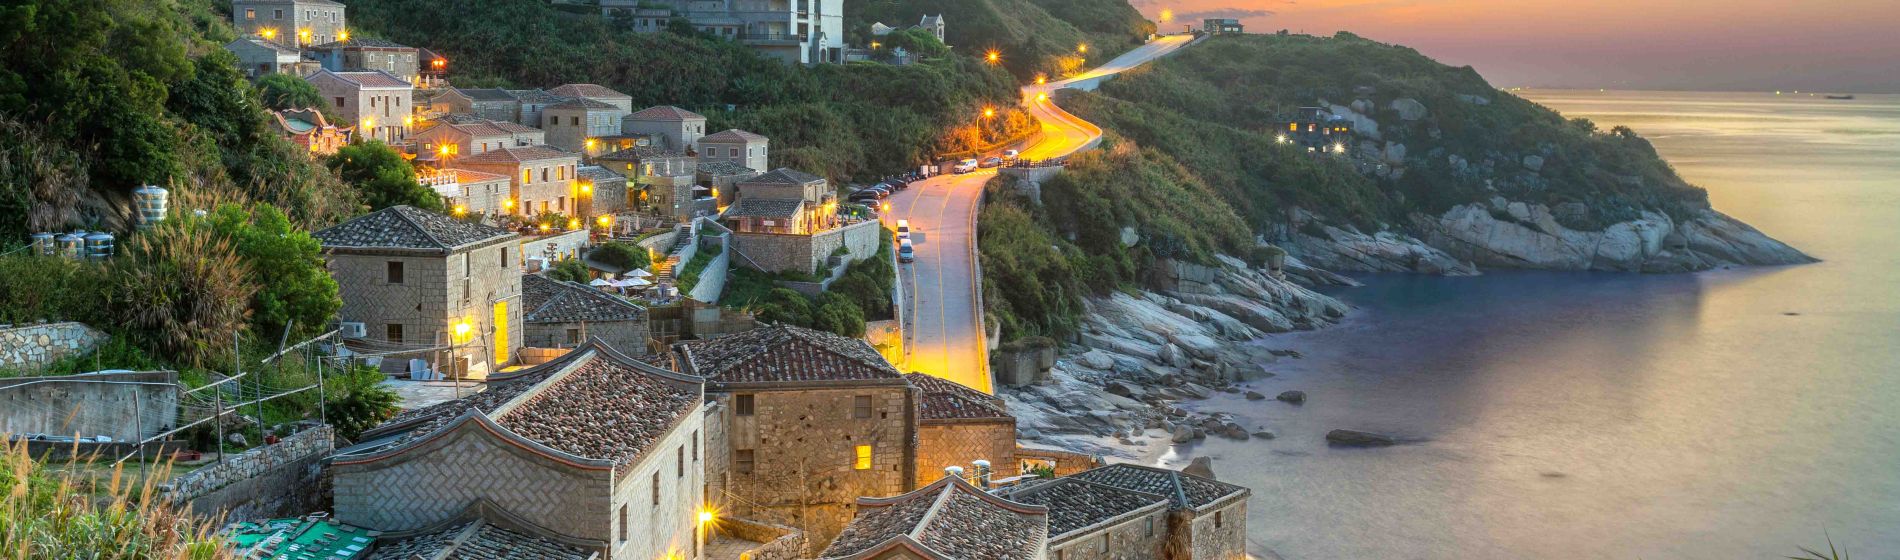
339, 102
695, 446
560, 173
544, 174
864, 458
553, 120
743, 460
573, 336
861, 406
742, 405
395, 272
573, 121
504, 257
680, 454
1104, 542
372, 101
392, 332
527, 175
468, 265
623, 522
656, 489
277, 14
1218, 518
1151, 526
250, 14
561, 203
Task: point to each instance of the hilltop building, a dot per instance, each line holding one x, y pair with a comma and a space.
363, 55
258, 57
1316, 129
543, 179
735, 146
677, 128
576, 124
795, 31
376, 102
787, 220
299, 23
562, 314
1222, 26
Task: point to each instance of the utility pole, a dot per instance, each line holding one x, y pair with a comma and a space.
323, 402
138, 432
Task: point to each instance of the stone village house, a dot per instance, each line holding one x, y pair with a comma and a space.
595, 92
466, 191
787, 220
543, 178
562, 314
1207, 519
957, 426
575, 124
258, 57
293, 22
411, 279
949, 519
367, 55
735, 146
664, 179
491, 104
680, 129
376, 102
445, 140
594, 447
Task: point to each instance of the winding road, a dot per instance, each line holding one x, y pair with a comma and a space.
943, 335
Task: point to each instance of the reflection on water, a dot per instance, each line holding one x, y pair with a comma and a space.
1729, 414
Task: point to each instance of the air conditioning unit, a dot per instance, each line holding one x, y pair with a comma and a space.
354, 330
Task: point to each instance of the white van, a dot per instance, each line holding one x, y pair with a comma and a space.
904, 252
903, 230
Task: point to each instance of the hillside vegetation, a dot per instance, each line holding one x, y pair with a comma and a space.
848, 121
1033, 36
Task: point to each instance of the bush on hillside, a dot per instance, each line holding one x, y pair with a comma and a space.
624, 256
294, 284
383, 177
184, 291
357, 401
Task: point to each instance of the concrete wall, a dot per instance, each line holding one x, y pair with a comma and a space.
712, 280
944, 443
279, 480
804, 448
82, 404
31, 347
774, 252
666, 530
435, 481
1140, 536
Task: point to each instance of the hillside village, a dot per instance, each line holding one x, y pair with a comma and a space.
570, 313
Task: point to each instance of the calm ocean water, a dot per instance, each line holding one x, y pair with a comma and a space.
1724, 415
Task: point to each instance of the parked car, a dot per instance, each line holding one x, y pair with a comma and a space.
903, 230
899, 182
965, 166
865, 195
992, 162
905, 253
1011, 154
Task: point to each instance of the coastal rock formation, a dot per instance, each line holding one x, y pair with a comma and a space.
1356, 438
1347, 249
1517, 235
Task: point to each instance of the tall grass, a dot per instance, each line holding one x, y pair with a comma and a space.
46, 514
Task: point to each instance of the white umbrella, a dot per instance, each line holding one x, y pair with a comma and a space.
640, 273
598, 282
632, 283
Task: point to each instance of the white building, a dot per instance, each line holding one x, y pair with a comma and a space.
801, 31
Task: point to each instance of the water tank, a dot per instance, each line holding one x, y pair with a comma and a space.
99, 246
71, 245
43, 243
150, 202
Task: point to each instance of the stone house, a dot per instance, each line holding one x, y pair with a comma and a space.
444, 140
363, 55
662, 180
468, 192
591, 446
934, 25
490, 104
295, 22
679, 128
481, 530
949, 519
573, 125
1207, 519
562, 314
808, 421
596, 92
796, 31
722, 179
530, 102
734, 146
258, 57
376, 102
957, 426
543, 178
441, 288
783, 200
609, 189
308, 128
1092, 521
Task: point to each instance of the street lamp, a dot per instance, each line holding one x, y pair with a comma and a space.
875, 45
989, 112
1042, 79
993, 57
342, 35
1082, 48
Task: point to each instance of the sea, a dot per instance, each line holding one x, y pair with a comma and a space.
1730, 414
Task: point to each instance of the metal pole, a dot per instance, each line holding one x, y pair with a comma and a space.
323, 403
138, 431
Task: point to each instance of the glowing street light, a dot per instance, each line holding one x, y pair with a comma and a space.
587, 187
462, 329
875, 45
545, 227
1082, 48
993, 57
590, 144
509, 204
271, 33
1042, 79
1281, 139
1339, 148
303, 36
605, 221
460, 210
989, 112
342, 35
705, 516
1042, 97
573, 223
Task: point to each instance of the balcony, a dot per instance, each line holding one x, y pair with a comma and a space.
771, 38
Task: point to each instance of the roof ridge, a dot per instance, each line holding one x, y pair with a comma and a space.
937, 504
418, 226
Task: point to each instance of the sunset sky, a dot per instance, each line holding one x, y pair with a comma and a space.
1830, 45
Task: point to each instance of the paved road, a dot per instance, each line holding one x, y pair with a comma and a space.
942, 336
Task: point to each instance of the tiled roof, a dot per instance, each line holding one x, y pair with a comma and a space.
638, 153
486, 94
535, 96
470, 176
944, 399
784, 353
1078, 504
587, 90
949, 519
477, 128
266, 43
784, 176
1184, 491
583, 103
483, 533
372, 78
545, 300
591, 402
599, 175
665, 113
363, 43
724, 168
518, 154
514, 127
406, 227
732, 135
764, 208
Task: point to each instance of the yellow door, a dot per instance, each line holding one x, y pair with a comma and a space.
501, 333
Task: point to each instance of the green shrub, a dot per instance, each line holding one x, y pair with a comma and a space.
838, 314
624, 256
34, 288
356, 401
295, 286
182, 291
571, 270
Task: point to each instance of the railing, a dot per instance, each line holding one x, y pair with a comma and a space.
770, 36
1037, 163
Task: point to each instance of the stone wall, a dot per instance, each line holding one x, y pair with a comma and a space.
803, 442
712, 280
1140, 536
943, 443
436, 480
1028, 365
31, 347
628, 337
778, 252
779, 542
668, 529
91, 404
278, 480
1216, 534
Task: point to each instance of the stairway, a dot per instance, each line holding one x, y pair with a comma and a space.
663, 270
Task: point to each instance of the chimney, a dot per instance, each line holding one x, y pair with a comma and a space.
982, 472
953, 471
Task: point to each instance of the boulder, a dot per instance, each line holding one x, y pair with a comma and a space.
1294, 397
1263, 434
1231, 430
1534, 163
1255, 396
1478, 100
1181, 433
1130, 237
1202, 467
1095, 359
1355, 438
1409, 109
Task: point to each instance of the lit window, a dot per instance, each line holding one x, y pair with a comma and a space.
250, 14
864, 458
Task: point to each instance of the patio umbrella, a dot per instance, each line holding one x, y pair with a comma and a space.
640, 273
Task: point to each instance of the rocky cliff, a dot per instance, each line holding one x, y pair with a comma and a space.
1517, 235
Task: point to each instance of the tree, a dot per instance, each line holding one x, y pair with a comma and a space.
284, 91
358, 401
621, 255
571, 270
381, 175
287, 264
783, 305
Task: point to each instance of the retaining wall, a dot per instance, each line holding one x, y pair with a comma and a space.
91, 404
34, 346
278, 480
